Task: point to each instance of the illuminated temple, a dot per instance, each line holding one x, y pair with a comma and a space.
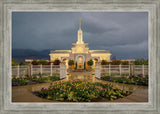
80, 53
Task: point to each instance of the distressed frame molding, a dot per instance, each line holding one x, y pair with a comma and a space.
150, 6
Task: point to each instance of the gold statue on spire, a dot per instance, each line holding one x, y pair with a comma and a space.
79, 23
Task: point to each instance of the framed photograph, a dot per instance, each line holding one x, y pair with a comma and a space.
79, 56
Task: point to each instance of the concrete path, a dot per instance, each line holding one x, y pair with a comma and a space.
24, 93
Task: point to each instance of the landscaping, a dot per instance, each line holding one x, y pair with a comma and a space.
127, 80
46, 74
114, 74
33, 80
81, 91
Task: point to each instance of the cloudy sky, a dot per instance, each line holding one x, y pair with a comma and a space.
125, 34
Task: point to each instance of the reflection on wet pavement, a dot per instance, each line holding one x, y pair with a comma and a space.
24, 93
81, 76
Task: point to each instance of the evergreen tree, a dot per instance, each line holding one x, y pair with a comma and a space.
90, 62
70, 62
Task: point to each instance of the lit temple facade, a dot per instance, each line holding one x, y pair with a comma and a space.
80, 53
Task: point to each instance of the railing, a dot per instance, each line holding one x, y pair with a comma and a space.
19, 71
39, 70
121, 70
45, 70
141, 70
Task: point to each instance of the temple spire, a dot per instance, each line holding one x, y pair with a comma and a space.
80, 34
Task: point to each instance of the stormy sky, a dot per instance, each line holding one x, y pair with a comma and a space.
125, 34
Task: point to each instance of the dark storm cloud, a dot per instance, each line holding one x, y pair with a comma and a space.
124, 34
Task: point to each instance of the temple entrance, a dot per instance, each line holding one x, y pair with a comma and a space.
80, 62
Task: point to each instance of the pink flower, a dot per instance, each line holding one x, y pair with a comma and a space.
101, 89
45, 89
96, 87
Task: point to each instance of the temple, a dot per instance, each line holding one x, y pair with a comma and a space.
80, 53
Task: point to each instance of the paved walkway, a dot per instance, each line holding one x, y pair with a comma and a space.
24, 93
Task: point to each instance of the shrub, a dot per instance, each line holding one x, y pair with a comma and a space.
127, 80
90, 62
56, 62
116, 62
70, 62
34, 62
104, 62
34, 80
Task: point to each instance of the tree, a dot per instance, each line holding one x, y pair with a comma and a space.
56, 62
43, 62
116, 62
146, 63
14, 62
125, 63
104, 62
90, 62
21, 63
140, 61
48, 63
34, 62
70, 62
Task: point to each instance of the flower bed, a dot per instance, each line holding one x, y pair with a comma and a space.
127, 80
81, 91
34, 80
114, 74
46, 74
